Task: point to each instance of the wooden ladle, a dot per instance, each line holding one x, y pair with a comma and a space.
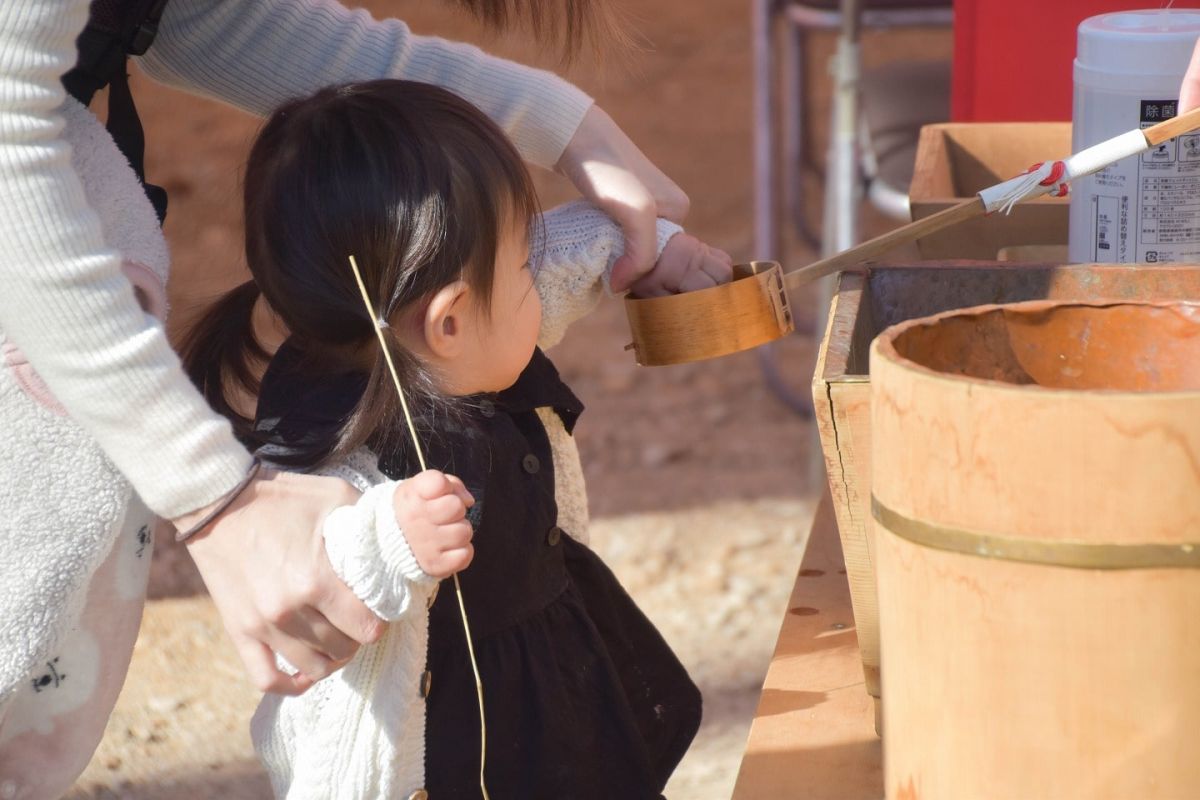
753, 308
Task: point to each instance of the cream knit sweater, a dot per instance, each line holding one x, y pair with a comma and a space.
63, 298
360, 734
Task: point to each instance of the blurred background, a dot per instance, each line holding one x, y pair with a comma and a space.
700, 476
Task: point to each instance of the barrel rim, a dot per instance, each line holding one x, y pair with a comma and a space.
883, 349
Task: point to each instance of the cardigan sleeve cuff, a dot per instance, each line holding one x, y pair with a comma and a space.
369, 553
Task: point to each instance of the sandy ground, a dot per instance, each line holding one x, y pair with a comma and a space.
697, 474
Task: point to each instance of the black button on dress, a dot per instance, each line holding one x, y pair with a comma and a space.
584, 699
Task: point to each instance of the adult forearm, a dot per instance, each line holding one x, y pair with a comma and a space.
255, 54
64, 300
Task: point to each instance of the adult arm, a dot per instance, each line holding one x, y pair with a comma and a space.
255, 54
64, 300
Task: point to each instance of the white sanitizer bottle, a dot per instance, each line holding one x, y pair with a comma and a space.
1145, 208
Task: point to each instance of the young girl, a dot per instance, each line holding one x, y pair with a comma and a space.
583, 697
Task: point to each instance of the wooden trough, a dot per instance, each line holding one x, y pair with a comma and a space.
870, 300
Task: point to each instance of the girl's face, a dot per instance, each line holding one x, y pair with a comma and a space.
503, 341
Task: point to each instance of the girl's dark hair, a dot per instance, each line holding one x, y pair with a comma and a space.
413, 181
581, 22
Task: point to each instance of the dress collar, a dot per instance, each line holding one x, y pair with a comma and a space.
299, 404
539, 386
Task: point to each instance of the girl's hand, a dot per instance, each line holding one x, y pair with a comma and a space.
608, 169
431, 510
686, 264
264, 564
1189, 92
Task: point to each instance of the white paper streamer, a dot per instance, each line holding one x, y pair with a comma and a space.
1003, 196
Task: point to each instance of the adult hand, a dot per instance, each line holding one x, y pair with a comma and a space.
686, 265
608, 169
1189, 93
265, 566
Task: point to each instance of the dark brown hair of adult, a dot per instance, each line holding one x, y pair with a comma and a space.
417, 184
583, 23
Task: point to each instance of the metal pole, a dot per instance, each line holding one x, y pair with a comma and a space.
842, 191
766, 224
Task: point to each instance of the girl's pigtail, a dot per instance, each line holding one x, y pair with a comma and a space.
221, 354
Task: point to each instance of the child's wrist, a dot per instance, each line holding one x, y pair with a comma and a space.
396, 549
666, 230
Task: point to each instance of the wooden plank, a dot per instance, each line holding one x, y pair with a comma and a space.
813, 735
843, 407
851, 404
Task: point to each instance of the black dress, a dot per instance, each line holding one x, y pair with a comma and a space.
583, 697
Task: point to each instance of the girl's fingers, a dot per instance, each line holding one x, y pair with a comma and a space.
430, 484
648, 290
433, 484
455, 537
453, 561
667, 273
446, 509
694, 281
460, 489
718, 266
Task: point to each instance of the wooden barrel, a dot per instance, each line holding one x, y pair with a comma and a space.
1036, 482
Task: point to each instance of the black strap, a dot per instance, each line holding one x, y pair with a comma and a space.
125, 126
104, 47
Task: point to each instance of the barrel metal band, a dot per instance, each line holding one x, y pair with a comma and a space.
1057, 553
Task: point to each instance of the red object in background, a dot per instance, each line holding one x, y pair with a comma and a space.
1013, 58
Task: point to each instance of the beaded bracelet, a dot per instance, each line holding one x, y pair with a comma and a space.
223, 505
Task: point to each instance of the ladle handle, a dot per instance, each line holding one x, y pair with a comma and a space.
1157, 134
881, 244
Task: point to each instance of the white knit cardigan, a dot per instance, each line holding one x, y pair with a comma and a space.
360, 734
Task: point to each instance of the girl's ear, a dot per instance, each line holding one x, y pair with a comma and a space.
446, 320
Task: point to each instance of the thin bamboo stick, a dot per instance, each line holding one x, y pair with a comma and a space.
379, 325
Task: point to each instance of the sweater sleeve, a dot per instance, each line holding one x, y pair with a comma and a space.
257, 53
64, 300
574, 247
366, 547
